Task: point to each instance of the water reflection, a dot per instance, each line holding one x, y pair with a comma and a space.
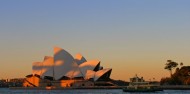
85, 91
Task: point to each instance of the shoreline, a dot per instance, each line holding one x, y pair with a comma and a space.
175, 87
61, 88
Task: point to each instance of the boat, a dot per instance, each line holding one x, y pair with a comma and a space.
137, 84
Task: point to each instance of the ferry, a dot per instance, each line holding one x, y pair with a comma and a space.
137, 84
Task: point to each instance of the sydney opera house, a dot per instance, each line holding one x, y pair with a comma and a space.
64, 70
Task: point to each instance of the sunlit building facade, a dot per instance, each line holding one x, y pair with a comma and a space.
63, 70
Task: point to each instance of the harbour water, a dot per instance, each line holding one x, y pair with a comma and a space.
85, 91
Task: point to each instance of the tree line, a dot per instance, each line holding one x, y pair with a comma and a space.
181, 76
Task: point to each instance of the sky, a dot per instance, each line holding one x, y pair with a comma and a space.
130, 36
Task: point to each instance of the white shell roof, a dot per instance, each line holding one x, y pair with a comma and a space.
77, 73
79, 59
89, 65
37, 68
48, 64
65, 64
90, 74
99, 73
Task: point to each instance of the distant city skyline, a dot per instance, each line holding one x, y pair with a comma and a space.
130, 36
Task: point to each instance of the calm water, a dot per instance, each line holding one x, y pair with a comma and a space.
85, 91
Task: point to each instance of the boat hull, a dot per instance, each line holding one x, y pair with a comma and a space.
139, 90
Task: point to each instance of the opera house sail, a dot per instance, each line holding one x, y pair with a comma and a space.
63, 70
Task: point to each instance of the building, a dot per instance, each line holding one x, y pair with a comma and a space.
63, 70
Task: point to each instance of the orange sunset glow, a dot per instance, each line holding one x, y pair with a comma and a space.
127, 37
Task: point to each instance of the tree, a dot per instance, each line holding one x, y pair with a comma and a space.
170, 65
181, 64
